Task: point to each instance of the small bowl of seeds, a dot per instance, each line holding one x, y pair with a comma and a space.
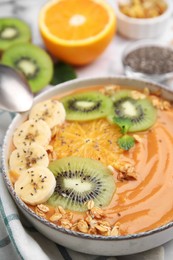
149, 60
139, 19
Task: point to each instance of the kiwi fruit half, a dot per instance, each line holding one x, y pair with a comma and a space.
12, 31
32, 61
140, 112
86, 106
79, 180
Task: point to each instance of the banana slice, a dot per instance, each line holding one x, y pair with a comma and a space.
32, 131
36, 185
26, 157
51, 111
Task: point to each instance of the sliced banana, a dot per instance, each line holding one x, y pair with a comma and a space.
35, 185
26, 157
51, 111
32, 131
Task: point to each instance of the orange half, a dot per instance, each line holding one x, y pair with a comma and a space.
77, 31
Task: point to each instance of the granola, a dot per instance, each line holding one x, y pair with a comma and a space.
161, 104
137, 138
93, 222
43, 208
137, 95
126, 171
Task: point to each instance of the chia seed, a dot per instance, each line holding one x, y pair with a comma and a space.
150, 60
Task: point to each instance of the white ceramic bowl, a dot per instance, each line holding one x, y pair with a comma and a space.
90, 244
135, 28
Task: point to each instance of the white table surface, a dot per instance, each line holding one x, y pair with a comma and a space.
109, 63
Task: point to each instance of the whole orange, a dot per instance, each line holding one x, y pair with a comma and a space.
77, 31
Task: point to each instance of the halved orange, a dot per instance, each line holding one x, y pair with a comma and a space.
95, 139
77, 31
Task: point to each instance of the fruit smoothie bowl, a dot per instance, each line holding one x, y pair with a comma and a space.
90, 165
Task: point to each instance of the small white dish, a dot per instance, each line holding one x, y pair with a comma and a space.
136, 28
147, 45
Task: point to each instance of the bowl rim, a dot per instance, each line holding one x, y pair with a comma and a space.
42, 220
145, 21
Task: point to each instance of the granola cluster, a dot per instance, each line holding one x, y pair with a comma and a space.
125, 171
161, 104
93, 222
110, 90
137, 95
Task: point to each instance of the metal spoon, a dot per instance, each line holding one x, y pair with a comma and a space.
15, 94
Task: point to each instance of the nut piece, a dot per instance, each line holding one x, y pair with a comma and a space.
146, 91
137, 95
54, 131
68, 215
166, 105
91, 221
109, 90
97, 212
40, 213
112, 169
49, 148
88, 219
74, 227
137, 138
103, 230
92, 231
104, 223
43, 208
61, 210
54, 155
126, 171
115, 230
160, 104
55, 217
90, 204
82, 226
65, 223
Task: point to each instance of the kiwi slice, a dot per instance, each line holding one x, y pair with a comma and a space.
141, 112
86, 106
32, 61
12, 31
79, 180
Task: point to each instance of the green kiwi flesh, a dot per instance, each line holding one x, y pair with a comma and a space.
32, 61
86, 106
79, 180
141, 112
13, 31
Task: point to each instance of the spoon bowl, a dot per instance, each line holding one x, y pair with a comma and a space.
15, 93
